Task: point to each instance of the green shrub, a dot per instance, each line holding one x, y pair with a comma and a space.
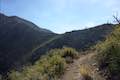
57, 67
86, 72
109, 54
49, 67
70, 52
64, 52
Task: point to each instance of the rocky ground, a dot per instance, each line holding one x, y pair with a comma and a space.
73, 71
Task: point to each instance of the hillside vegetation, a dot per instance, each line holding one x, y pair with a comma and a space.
109, 55
79, 39
22, 42
18, 37
48, 67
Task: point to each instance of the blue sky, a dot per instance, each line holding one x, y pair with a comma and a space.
62, 15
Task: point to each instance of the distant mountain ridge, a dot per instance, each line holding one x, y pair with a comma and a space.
22, 41
79, 39
20, 20
18, 37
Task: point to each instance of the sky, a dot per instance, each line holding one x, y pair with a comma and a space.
62, 16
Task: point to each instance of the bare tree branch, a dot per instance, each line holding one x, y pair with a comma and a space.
116, 18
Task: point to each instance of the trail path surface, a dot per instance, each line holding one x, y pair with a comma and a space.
73, 71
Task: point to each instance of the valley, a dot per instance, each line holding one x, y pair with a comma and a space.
29, 52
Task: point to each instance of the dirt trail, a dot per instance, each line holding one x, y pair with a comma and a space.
73, 71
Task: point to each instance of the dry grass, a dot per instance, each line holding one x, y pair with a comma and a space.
86, 72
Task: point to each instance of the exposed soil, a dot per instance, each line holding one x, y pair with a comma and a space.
73, 71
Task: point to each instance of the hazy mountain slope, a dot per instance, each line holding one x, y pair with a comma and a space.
80, 39
18, 37
21, 40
